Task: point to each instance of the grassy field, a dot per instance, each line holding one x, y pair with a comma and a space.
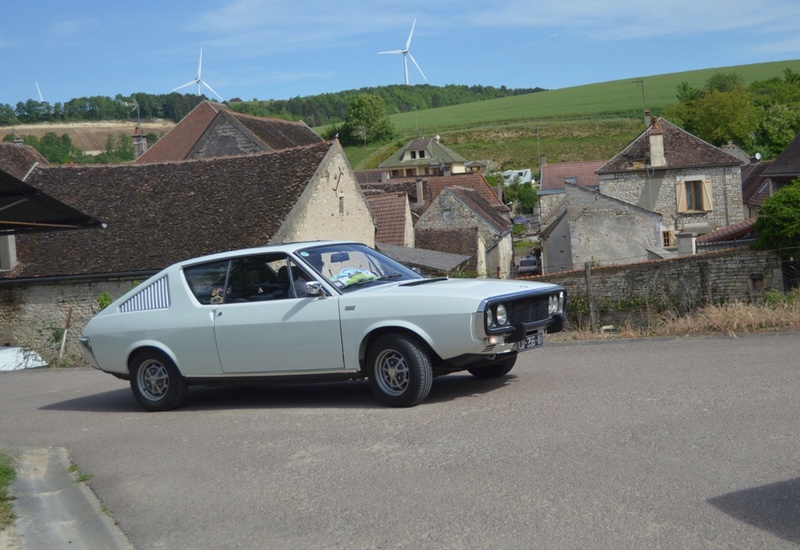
587, 122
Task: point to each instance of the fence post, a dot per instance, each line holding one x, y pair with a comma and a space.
587, 273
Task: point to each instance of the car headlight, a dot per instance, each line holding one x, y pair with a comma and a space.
501, 315
556, 303
496, 316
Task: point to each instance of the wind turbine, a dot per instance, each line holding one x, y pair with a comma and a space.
199, 80
406, 54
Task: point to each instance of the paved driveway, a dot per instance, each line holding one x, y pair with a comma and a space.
679, 443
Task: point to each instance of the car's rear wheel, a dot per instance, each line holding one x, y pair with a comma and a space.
495, 370
399, 370
156, 382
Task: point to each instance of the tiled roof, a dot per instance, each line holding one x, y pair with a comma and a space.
463, 242
788, 162
432, 260
554, 175
731, 232
18, 159
390, 211
194, 130
278, 133
681, 150
755, 187
158, 214
181, 139
433, 185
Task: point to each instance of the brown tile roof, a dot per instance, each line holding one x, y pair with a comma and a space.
583, 172
787, 165
390, 211
755, 187
681, 150
181, 139
18, 159
433, 185
731, 232
191, 133
454, 241
278, 133
158, 214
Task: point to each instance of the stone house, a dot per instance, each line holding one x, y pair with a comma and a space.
214, 130
424, 157
553, 177
591, 227
478, 226
157, 214
695, 186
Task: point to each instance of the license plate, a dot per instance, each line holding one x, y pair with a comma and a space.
531, 341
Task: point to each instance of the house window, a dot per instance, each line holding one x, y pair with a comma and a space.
668, 239
694, 195
413, 154
422, 154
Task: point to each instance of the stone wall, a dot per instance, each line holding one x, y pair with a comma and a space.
34, 315
636, 293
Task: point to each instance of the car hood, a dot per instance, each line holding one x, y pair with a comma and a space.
456, 288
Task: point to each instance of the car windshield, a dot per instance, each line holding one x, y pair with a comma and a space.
353, 266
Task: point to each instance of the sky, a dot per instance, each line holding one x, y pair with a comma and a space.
269, 49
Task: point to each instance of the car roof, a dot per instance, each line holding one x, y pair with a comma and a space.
290, 248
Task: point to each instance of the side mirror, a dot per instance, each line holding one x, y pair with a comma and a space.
314, 290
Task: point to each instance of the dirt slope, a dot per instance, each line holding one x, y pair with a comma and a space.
90, 137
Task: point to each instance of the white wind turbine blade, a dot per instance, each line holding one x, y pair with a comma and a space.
193, 81
210, 88
408, 42
38, 89
394, 51
200, 66
418, 68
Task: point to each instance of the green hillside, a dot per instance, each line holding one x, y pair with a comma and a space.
587, 122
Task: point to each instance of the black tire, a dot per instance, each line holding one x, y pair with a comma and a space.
399, 370
156, 382
495, 370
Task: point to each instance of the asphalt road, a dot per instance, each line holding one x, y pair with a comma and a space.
678, 443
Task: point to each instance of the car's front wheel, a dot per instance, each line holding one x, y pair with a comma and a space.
156, 382
495, 370
399, 370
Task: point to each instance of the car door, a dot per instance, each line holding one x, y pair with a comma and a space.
265, 328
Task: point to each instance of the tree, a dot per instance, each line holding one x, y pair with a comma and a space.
366, 120
778, 223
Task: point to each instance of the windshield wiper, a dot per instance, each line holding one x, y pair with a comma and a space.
390, 276
424, 281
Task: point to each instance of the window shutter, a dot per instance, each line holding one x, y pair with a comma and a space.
708, 203
680, 194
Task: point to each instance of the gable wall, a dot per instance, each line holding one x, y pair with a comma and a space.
331, 207
225, 139
656, 192
603, 230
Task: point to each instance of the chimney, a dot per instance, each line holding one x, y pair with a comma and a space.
656, 136
420, 193
139, 142
647, 119
8, 252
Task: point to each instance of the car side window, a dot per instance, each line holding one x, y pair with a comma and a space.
208, 281
265, 277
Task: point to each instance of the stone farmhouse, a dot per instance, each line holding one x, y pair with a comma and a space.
553, 177
156, 214
692, 186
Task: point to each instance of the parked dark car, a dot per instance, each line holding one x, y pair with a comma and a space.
529, 265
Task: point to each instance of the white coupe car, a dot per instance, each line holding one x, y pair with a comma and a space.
314, 311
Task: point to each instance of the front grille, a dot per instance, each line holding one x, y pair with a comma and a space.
528, 310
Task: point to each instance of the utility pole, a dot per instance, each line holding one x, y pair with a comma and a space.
640, 82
